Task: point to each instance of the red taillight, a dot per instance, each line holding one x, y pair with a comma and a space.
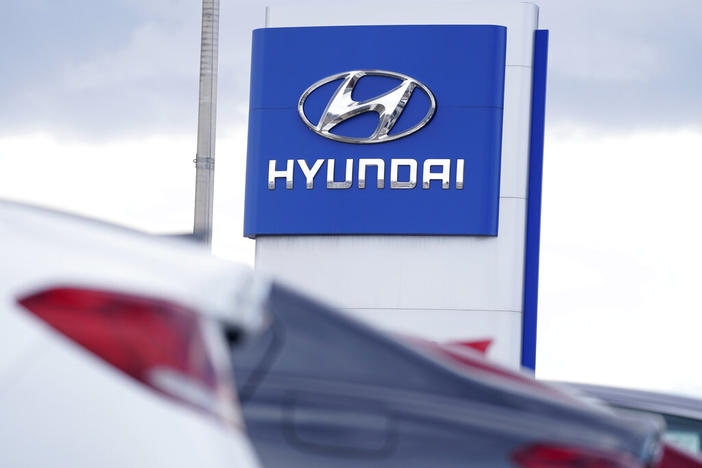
547, 456
158, 343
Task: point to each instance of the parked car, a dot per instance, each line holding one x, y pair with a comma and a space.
683, 415
112, 351
319, 389
673, 455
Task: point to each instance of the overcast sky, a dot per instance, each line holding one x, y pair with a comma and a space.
98, 117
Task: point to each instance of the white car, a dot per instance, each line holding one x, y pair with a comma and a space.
112, 351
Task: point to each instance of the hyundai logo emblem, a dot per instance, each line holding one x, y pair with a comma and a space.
388, 105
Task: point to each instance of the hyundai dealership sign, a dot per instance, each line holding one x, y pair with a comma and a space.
394, 163
372, 140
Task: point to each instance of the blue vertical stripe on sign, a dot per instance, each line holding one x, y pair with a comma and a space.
533, 227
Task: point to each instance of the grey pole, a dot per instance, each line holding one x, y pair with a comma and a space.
207, 115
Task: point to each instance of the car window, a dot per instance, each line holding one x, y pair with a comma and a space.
683, 433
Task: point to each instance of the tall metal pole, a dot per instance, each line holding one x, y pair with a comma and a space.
207, 115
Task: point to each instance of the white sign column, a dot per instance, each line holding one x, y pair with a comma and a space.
438, 287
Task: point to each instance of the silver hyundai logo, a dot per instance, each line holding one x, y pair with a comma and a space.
388, 105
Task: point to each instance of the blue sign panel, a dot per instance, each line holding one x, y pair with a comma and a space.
375, 130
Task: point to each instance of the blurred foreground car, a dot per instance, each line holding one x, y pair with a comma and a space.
319, 390
112, 351
676, 451
683, 416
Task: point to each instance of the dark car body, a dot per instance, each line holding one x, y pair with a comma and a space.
683, 415
319, 389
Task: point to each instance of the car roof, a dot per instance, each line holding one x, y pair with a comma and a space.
656, 402
48, 248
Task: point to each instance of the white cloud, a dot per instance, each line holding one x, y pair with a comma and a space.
621, 255
144, 183
152, 53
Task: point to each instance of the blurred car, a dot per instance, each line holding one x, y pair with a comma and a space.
679, 449
319, 389
112, 351
683, 415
